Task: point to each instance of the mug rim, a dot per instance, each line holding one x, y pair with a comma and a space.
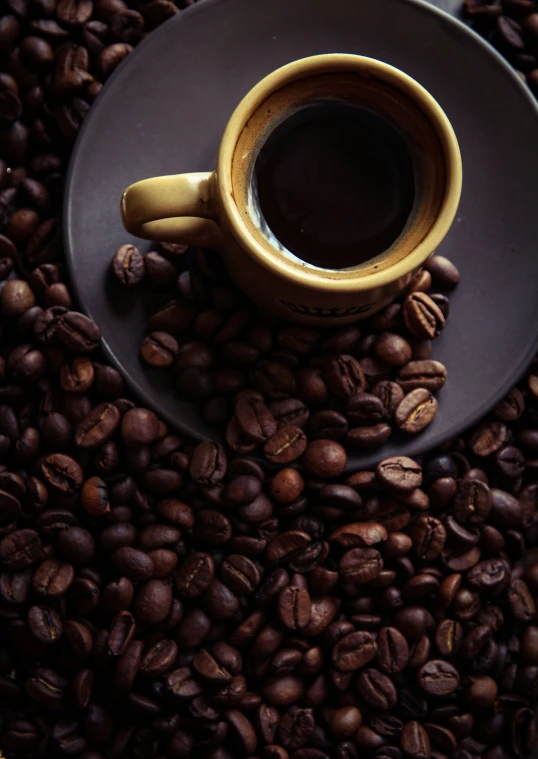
317, 278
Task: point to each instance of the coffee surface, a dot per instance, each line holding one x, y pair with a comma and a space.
335, 184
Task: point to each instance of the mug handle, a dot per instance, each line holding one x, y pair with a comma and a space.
175, 208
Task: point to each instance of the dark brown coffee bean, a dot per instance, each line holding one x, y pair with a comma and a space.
294, 607
344, 376
390, 394
98, 426
195, 575
415, 741
159, 349
449, 637
255, 420
139, 426
219, 601
428, 536
365, 409
132, 563
430, 375
45, 624
361, 565
121, 633
52, 578
328, 425
422, 316
488, 438
392, 349
472, 502
213, 527
488, 576
324, 458
416, 411
401, 473
158, 659
153, 602
208, 463
392, 650
240, 574
127, 666
353, 651
47, 689
287, 444
62, 473
20, 549
128, 265
377, 689
438, 678
290, 411
521, 601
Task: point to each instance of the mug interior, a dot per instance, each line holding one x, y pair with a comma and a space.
383, 90
374, 95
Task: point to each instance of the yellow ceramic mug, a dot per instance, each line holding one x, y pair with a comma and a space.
218, 209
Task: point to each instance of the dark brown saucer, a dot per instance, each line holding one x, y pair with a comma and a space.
164, 110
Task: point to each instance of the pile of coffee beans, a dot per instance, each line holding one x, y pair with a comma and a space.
162, 599
512, 27
274, 387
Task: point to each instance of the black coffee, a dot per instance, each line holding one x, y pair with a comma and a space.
335, 184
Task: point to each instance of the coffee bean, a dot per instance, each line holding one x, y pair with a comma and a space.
392, 650
361, 565
415, 741
98, 426
20, 549
344, 376
286, 444
128, 266
47, 688
45, 624
324, 458
353, 651
377, 689
195, 575
208, 463
427, 374
521, 601
438, 678
52, 578
428, 536
139, 427
401, 473
422, 316
294, 607
416, 411
159, 349
472, 502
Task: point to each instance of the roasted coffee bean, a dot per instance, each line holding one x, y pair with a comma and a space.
324, 458
286, 445
159, 349
353, 651
438, 678
392, 650
416, 411
427, 374
422, 316
208, 463
377, 689
415, 741
195, 575
428, 536
294, 607
344, 376
128, 266
361, 565
401, 473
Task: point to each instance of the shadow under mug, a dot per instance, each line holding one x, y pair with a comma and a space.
218, 209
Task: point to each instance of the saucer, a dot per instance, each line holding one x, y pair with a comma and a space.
165, 108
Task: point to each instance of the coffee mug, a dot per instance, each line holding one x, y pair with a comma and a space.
337, 177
